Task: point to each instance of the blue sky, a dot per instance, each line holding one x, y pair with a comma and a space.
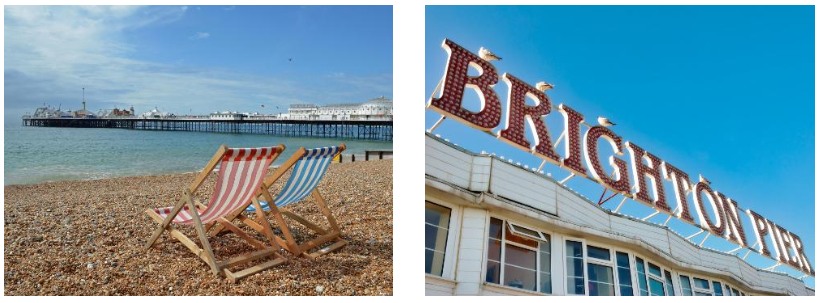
723, 91
204, 58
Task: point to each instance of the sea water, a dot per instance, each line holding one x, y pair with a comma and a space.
42, 154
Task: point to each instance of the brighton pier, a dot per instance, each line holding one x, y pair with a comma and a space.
378, 130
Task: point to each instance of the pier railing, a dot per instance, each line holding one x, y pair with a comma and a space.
380, 130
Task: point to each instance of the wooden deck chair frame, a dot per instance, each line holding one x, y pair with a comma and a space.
288, 242
205, 252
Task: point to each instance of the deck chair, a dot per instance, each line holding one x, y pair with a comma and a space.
309, 166
240, 176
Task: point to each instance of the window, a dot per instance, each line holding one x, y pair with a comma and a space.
574, 265
518, 257
687, 290
600, 272
437, 231
623, 267
657, 286
701, 287
669, 284
717, 288
727, 290
643, 280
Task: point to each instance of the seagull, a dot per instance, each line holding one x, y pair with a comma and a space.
262, 105
703, 180
487, 55
542, 86
291, 59
604, 121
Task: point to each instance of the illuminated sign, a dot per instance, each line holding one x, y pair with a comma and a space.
715, 212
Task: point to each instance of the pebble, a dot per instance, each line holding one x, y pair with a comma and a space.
359, 194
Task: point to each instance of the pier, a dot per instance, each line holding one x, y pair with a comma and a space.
379, 130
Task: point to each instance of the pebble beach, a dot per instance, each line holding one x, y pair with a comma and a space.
87, 238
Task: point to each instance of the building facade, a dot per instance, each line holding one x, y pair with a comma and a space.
495, 228
375, 109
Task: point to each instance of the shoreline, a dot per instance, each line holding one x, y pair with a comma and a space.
84, 237
149, 174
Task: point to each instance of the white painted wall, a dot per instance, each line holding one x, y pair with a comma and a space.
462, 170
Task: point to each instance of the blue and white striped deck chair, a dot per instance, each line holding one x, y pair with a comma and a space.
308, 168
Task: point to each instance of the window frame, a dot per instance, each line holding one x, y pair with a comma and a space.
632, 271
564, 244
694, 288
452, 239
610, 263
505, 223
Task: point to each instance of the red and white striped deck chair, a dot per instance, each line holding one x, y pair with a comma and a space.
240, 176
308, 167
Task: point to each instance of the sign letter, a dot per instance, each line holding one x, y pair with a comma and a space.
518, 113
622, 185
456, 80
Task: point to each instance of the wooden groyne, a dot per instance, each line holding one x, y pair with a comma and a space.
379, 130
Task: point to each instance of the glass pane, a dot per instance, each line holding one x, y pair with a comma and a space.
624, 274
493, 272
520, 277
545, 255
669, 284
654, 269
727, 290
494, 250
600, 289
625, 290
573, 249
717, 288
702, 294
521, 257
600, 273
437, 215
600, 280
574, 267
622, 259
435, 238
656, 287
526, 231
434, 263
599, 253
576, 286
521, 240
735, 292
685, 281
496, 228
545, 283
643, 280
701, 283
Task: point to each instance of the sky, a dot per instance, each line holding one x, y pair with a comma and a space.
194, 59
727, 92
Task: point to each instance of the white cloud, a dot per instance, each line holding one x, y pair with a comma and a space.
51, 52
200, 35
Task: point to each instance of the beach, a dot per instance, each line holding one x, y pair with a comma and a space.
87, 237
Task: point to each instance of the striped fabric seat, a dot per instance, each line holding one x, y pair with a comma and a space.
241, 173
306, 175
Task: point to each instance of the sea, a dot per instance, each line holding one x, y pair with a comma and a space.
45, 154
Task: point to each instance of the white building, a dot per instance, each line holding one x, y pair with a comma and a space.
374, 109
156, 114
495, 228
226, 115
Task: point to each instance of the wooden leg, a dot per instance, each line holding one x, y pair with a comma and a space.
268, 230
325, 210
176, 209
203, 238
292, 246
